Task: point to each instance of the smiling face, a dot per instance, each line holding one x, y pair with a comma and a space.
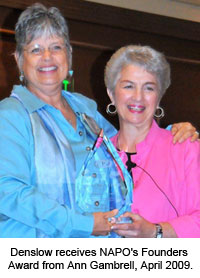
45, 65
136, 96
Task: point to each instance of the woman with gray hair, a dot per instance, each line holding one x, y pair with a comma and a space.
166, 176
54, 181
46, 136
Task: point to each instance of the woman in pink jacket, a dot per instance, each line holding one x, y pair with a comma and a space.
166, 194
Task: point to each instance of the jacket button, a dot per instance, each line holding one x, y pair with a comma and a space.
88, 148
94, 175
96, 203
80, 133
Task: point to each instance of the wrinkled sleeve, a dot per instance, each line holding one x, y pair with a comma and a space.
188, 224
169, 127
22, 207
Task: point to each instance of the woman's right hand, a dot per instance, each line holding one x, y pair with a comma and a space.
102, 226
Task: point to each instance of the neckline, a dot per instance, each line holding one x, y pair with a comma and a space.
128, 153
142, 146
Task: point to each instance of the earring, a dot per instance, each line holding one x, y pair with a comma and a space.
110, 111
162, 113
21, 77
70, 72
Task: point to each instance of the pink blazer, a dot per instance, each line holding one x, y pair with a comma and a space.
167, 188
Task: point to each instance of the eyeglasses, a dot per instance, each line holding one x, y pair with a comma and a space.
38, 50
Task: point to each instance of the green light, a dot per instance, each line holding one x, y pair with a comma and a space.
65, 83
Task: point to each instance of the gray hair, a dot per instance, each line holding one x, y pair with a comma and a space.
151, 60
36, 21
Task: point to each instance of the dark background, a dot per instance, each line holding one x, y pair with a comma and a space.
96, 31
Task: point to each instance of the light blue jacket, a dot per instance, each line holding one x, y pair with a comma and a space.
24, 209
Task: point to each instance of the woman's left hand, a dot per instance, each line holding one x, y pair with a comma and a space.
138, 228
181, 131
